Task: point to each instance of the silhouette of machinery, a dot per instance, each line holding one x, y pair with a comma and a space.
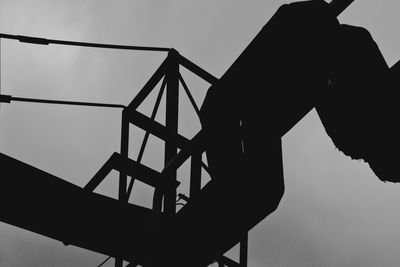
55, 208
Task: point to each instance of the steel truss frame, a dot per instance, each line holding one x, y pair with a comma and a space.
165, 183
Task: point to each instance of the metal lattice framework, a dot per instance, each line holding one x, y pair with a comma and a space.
165, 183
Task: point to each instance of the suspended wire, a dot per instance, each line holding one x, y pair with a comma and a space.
8, 98
45, 41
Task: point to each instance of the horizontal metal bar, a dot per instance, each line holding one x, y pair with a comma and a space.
44, 41
156, 128
143, 173
133, 169
196, 145
8, 99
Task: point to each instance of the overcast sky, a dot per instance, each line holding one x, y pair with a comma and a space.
335, 212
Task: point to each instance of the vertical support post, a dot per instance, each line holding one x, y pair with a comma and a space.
0, 64
195, 175
171, 123
123, 177
124, 149
244, 250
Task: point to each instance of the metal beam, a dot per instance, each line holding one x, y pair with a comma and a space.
244, 250
171, 124
195, 175
124, 148
195, 145
45, 204
149, 86
192, 101
144, 174
157, 129
197, 70
132, 168
101, 173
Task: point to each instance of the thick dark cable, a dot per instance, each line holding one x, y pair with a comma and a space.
44, 41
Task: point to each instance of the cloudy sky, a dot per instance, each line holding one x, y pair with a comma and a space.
335, 211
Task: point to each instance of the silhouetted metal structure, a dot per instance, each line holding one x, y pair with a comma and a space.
50, 206
165, 183
77, 214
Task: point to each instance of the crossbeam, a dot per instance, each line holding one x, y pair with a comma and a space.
141, 172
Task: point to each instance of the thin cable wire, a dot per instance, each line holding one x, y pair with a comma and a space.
45, 41
61, 102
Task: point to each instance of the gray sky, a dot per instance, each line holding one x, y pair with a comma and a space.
335, 212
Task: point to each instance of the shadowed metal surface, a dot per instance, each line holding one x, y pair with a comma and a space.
45, 204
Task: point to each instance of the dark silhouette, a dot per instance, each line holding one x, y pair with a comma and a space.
42, 203
303, 58
359, 108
